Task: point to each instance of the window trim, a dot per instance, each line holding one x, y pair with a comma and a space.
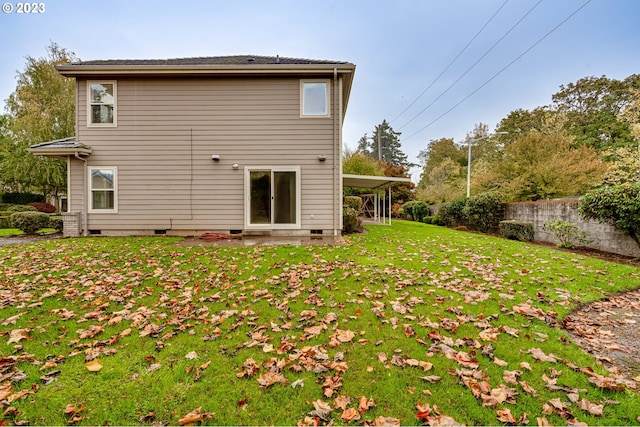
327, 100
247, 198
115, 104
91, 209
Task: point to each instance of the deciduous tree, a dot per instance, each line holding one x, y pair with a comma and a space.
543, 165
593, 106
40, 109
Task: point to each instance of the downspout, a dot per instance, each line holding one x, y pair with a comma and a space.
337, 155
85, 202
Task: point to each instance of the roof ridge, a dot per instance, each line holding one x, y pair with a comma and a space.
211, 60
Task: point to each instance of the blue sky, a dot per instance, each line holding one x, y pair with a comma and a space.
399, 47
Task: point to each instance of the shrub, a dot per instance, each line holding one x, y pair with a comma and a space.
354, 202
43, 207
408, 209
618, 205
484, 211
350, 221
30, 222
566, 232
437, 220
5, 206
516, 230
420, 209
22, 198
452, 213
56, 222
21, 208
427, 220
5, 221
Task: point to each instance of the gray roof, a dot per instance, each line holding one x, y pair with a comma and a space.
61, 147
211, 60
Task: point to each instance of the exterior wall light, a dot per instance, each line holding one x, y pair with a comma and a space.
235, 166
215, 157
322, 157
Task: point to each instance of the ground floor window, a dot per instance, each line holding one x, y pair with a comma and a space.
103, 189
272, 197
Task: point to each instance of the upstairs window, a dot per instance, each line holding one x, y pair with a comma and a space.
102, 104
314, 98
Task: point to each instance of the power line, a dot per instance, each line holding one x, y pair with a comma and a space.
451, 63
474, 64
500, 72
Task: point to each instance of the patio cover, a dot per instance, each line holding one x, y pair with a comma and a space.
376, 183
373, 182
61, 148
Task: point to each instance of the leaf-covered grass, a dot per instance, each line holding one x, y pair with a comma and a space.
423, 322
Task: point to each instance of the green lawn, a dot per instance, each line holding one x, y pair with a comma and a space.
407, 324
4, 232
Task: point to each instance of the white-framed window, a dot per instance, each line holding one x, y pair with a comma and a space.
314, 98
103, 189
272, 197
102, 103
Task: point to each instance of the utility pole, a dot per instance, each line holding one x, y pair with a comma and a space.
379, 144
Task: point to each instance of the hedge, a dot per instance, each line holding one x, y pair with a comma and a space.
22, 198
517, 230
30, 222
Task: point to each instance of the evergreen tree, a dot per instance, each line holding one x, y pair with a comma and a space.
384, 145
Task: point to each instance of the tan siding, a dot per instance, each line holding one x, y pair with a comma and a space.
169, 128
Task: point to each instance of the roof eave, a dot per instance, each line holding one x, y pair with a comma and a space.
60, 152
72, 70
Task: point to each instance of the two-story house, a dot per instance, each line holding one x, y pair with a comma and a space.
239, 144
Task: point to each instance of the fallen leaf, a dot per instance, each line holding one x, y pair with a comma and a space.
71, 410
194, 417
505, 416
540, 355
297, 383
525, 365
249, 368
431, 378
542, 422
350, 414
592, 408
527, 388
321, 405
386, 421
268, 379
344, 335
191, 355
341, 402
18, 335
443, 421
94, 365
365, 404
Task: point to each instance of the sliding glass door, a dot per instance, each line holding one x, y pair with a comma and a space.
273, 198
